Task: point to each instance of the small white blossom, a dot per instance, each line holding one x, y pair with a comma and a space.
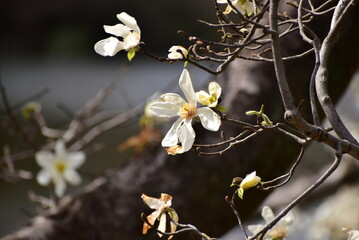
59, 167
279, 231
129, 32
246, 7
211, 99
181, 135
161, 206
177, 52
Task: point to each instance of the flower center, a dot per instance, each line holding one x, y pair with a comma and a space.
60, 167
187, 111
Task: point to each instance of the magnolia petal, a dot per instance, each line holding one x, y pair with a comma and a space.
43, 177
209, 119
222, 1
129, 21
171, 137
164, 109
60, 149
174, 98
175, 218
45, 159
162, 224
248, 7
109, 46
72, 177
267, 214
118, 30
177, 52
186, 135
215, 89
60, 186
186, 85
175, 55
166, 199
153, 203
255, 228
75, 159
203, 98
288, 219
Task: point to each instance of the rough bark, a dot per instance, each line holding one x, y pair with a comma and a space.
110, 207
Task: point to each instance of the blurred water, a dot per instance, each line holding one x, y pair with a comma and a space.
72, 83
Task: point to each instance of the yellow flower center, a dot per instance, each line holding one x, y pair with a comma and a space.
60, 166
187, 111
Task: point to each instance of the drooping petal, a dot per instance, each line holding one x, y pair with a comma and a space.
162, 224
215, 89
118, 30
186, 135
171, 137
76, 159
60, 186
129, 21
153, 203
267, 214
45, 159
164, 109
209, 119
186, 85
43, 177
109, 46
175, 218
72, 177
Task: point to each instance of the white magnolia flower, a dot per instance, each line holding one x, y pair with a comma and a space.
279, 231
161, 206
211, 99
181, 135
129, 32
244, 6
59, 167
177, 52
352, 234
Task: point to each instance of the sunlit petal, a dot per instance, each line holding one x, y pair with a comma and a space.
186, 135
118, 30
72, 177
60, 186
187, 87
129, 21
171, 137
209, 119
43, 177
164, 109
215, 89
153, 203
109, 46
45, 159
267, 214
75, 159
162, 225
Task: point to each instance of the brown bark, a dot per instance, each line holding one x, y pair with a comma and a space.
110, 207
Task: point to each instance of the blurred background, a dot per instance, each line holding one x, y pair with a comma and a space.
49, 45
